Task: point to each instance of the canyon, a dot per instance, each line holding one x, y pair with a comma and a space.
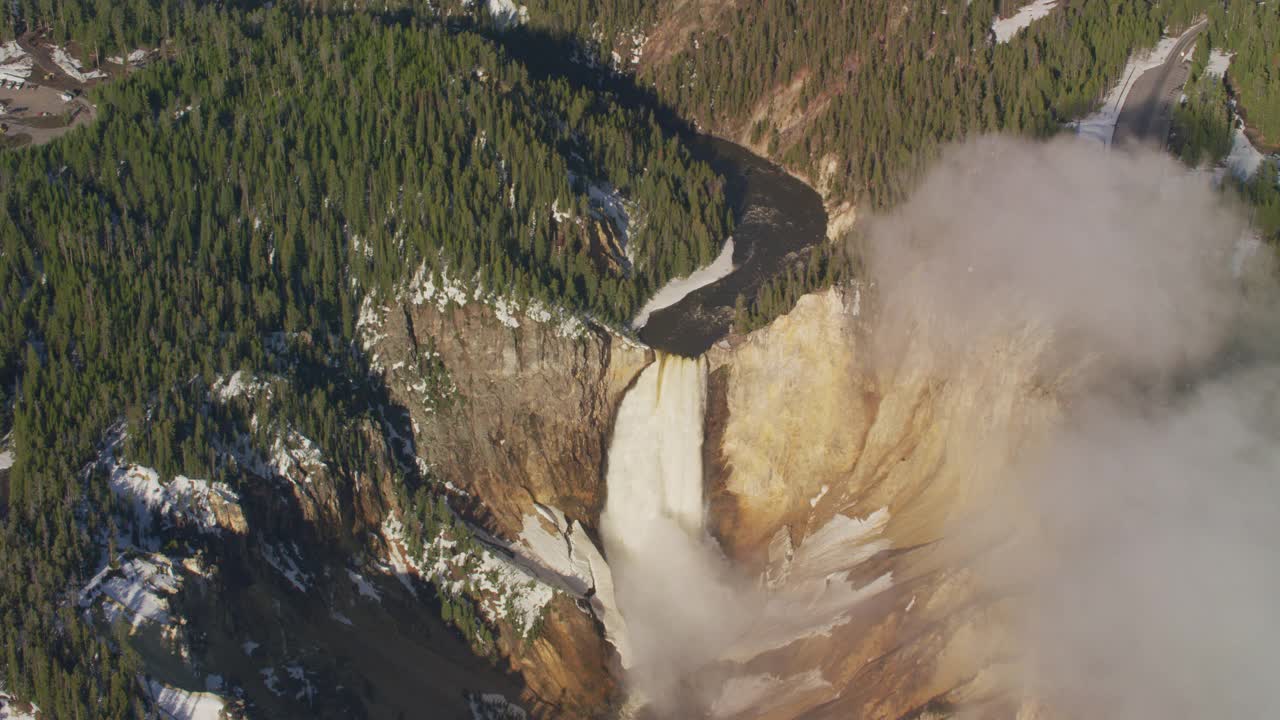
817, 519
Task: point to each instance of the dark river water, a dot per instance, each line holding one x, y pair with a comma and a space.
776, 217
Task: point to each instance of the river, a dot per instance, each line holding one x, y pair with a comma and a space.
776, 217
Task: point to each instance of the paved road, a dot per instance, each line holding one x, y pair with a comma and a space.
1148, 109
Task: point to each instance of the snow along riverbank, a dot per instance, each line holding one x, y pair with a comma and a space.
676, 290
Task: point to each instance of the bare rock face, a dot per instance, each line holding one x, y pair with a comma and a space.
530, 417
568, 666
228, 514
831, 460
525, 422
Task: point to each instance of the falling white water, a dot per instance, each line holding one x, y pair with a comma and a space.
672, 583
655, 460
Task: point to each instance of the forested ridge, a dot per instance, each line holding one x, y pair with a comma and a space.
848, 95
859, 97
276, 169
862, 94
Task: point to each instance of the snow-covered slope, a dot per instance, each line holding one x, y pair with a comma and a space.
1005, 29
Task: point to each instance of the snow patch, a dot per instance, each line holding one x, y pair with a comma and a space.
182, 502
9, 708
1005, 28
137, 592
1218, 63
557, 214
286, 563
676, 290
240, 383
15, 63
6, 459
841, 543
502, 588
71, 66
494, 706
297, 674
565, 323
552, 550
271, 681
11, 51
135, 58
423, 288
505, 310
364, 587
506, 14
562, 554
610, 204
1244, 159
812, 595
177, 704
295, 451
813, 501
306, 690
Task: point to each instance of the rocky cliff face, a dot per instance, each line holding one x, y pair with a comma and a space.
517, 426
529, 417
832, 458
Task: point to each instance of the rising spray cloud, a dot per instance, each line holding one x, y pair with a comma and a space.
1142, 532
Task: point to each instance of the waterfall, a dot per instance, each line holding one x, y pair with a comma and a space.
655, 459
673, 586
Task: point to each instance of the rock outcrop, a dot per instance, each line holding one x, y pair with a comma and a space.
530, 418
834, 459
